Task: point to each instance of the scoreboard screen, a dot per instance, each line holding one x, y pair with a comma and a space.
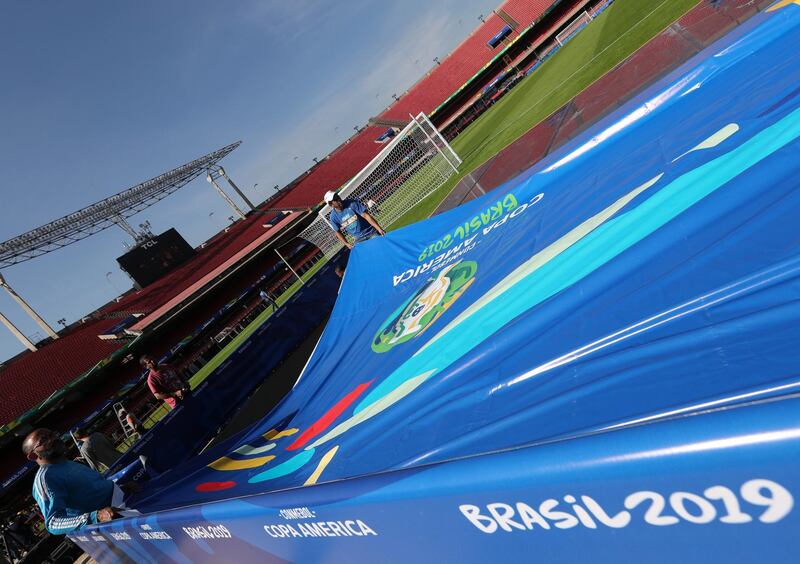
156, 257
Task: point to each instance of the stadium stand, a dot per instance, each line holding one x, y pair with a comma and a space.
526, 11
212, 254
220, 268
465, 60
32, 377
454, 71
519, 60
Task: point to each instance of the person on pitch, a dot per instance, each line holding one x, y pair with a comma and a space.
164, 382
351, 216
70, 495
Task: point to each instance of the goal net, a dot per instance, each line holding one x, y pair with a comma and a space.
416, 162
577, 24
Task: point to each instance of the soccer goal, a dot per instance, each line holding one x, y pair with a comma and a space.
414, 164
577, 24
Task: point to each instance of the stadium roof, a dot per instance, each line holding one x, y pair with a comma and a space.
434, 88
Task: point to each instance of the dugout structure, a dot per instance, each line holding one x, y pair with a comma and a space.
414, 164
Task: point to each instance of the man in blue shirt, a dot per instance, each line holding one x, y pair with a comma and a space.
351, 217
69, 494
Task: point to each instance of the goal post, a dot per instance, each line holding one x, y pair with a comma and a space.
574, 27
416, 162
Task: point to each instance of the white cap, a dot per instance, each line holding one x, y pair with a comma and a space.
329, 196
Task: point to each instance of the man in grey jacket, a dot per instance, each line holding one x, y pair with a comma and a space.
96, 449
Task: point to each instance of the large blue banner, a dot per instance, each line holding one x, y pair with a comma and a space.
596, 361
717, 487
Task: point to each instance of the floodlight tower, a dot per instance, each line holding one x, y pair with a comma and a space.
29, 310
17, 333
216, 172
235, 187
123, 224
114, 210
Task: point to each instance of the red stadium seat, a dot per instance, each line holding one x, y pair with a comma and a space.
32, 378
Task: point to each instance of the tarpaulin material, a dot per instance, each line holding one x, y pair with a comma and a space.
595, 362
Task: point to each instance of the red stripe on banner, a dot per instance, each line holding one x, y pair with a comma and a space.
214, 486
330, 416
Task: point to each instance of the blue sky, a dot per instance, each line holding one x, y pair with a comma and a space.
99, 96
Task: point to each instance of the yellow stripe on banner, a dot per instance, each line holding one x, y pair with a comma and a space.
226, 463
782, 4
312, 479
273, 434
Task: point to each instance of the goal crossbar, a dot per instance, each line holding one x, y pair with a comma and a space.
417, 161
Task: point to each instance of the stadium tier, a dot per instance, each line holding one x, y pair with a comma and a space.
465, 60
30, 378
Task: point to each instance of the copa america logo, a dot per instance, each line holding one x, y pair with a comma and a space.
425, 306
